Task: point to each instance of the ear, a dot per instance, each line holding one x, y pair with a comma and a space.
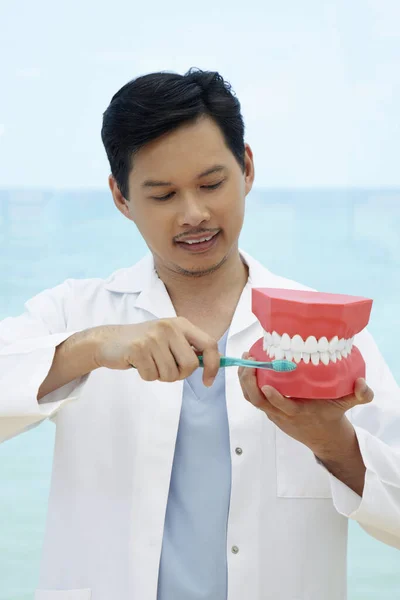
120, 202
249, 172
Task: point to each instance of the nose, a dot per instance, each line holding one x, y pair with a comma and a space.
192, 212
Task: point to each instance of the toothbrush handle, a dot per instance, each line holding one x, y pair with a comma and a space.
227, 361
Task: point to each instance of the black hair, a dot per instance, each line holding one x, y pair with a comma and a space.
154, 104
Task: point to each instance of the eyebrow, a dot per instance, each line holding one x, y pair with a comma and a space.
154, 183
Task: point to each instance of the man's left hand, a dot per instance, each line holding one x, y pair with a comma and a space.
321, 425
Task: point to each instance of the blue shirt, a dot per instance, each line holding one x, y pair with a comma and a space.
193, 559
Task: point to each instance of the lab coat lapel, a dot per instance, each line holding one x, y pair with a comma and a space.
245, 330
154, 297
243, 316
160, 406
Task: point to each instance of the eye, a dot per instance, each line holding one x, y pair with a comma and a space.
161, 198
214, 186
205, 187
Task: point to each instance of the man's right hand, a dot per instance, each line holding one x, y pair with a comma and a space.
160, 350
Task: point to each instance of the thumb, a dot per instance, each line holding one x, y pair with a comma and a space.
363, 392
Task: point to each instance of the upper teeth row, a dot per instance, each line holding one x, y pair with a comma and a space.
282, 346
198, 241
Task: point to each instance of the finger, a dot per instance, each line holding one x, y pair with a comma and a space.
211, 362
248, 382
285, 405
363, 392
242, 370
246, 356
165, 361
205, 344
146, 367
251, 391
362, 395
184, 355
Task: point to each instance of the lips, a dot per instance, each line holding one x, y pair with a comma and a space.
316, 331
198, 243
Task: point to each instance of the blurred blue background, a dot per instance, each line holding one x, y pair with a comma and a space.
319, 85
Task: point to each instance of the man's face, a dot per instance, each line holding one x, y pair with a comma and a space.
186, 186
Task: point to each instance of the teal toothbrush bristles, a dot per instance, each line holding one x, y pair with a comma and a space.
284, 365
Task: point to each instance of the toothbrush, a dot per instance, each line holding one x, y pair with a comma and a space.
282, 366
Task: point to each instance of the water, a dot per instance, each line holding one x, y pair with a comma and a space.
335, 241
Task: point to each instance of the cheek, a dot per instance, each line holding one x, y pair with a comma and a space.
232, 211
151, 221
231, 201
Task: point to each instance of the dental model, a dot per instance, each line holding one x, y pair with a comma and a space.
316, 331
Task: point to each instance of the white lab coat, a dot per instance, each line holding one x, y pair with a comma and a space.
115, 438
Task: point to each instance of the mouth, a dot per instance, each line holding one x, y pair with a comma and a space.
199, 244
316, 331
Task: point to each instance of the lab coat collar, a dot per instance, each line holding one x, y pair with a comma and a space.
153, 297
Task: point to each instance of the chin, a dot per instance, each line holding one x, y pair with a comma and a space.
199, 270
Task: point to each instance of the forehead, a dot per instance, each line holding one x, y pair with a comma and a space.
182, 153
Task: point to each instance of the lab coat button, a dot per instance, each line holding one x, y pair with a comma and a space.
239, 451
235, 549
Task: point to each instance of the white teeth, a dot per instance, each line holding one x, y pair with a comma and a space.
297, 357
315, 358
285, 342
288, 354
283, 347
206, 239
311, 344
297, 343
323, 344
333, 344
325, 358
276, 338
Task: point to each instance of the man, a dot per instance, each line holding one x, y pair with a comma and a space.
168, 484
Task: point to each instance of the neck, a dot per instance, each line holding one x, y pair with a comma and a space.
228, 280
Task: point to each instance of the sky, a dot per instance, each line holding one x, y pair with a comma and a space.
318, 81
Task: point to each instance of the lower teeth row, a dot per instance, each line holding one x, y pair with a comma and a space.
315, 358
